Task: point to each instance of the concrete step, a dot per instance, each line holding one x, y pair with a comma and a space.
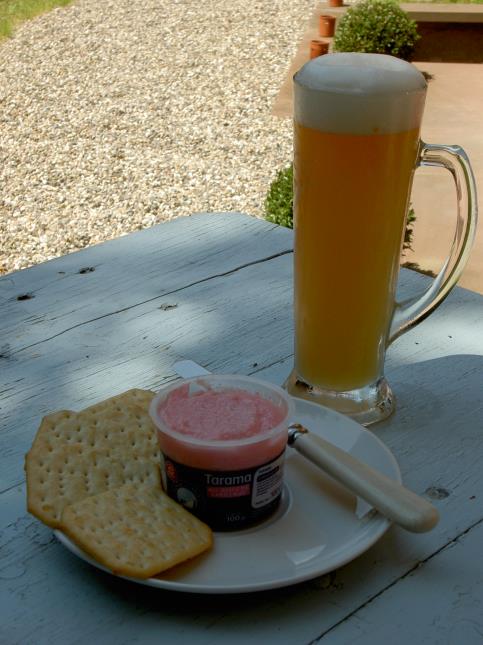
426, 12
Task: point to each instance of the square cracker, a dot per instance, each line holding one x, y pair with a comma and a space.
61, 477
119, 424
75, 455
135, 531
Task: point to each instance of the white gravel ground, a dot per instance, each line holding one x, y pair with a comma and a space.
118, 114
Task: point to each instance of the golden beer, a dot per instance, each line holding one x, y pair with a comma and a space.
356, 145
351, 199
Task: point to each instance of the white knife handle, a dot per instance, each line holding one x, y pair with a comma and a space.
395, 502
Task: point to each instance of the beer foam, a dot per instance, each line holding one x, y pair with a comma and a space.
359, 94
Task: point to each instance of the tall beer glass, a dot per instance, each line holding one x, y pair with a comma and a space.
356, 147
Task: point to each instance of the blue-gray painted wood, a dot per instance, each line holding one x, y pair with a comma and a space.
218, 289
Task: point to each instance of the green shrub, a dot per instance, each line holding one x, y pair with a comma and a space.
279, 204
408, 234
376, 27
279, 200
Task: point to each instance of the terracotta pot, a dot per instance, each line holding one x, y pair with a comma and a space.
318, 48
335, 3
326, 26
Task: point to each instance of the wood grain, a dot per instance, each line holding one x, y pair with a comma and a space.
218, 290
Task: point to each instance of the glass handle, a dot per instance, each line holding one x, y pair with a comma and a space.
410, 312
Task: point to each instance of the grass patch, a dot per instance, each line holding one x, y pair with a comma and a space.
14, 12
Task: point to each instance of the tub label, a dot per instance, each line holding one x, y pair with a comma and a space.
267, 483
226, 500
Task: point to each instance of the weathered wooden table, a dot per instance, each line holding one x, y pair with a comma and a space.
217, 289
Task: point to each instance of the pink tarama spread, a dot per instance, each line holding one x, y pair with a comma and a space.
219, 415
230, 414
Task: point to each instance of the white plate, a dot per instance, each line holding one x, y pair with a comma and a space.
318, 527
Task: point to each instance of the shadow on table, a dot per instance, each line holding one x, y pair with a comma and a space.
323, 601
293, 614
